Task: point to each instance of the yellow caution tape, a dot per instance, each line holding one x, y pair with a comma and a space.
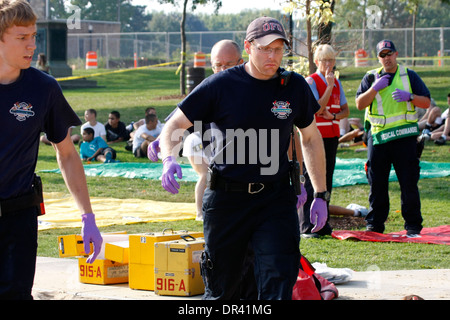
116, 71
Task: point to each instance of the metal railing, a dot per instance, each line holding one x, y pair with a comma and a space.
118, 50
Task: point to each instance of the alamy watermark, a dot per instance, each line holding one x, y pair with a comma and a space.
238, 146
373, 277
74, 20
373, 17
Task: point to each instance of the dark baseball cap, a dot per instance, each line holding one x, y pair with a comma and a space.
265, 30
385, 45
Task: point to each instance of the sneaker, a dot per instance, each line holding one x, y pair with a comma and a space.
129, 145
108, 157
309, 235
362, 210
440, 142
412, 233
426, 135
373, 229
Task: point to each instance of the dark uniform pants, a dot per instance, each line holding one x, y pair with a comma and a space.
18, 250
402, 154
268, 222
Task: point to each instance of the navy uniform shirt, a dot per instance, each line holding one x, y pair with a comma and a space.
29, 106
254, 118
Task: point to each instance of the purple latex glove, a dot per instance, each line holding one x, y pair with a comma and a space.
153, 150
301, 198
170, 167
90, 233
401, 95
381, 83
319, 214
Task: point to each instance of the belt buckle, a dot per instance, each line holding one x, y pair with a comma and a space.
250, 187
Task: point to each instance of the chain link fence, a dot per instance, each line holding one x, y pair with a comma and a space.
125, 50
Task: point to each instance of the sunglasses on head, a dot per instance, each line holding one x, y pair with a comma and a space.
382, 55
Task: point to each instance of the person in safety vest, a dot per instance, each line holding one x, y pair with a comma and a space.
390, 95
328, 91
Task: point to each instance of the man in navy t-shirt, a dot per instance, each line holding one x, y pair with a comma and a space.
249, 199
31, 102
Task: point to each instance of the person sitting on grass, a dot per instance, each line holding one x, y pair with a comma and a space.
115, 129
352, 131
95, 149
442, 134
144, 135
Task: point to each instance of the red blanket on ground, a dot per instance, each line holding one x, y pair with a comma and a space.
436, 235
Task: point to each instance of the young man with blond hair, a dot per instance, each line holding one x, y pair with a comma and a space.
31, 102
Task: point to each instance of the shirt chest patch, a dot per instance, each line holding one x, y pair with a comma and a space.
22, 111
281, 109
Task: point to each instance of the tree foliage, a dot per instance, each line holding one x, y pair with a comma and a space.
319, 14
132, 18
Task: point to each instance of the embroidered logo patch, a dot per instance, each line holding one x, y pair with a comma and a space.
22, 111
281, 109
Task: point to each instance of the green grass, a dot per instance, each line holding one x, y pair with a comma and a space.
132, 91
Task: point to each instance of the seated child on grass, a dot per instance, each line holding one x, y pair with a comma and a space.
95, 148
144, 135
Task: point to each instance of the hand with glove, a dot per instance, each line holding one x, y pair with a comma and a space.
319, 214
401, 95
153, 150
170, 167
301, 198
381, 83
90, 233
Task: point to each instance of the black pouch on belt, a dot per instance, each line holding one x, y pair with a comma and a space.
211, 177
39, 194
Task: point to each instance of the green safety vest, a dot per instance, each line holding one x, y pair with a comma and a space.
388, 119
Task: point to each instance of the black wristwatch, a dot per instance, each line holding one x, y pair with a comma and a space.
411, 97
322, 195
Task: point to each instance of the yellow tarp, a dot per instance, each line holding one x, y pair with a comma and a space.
62, 212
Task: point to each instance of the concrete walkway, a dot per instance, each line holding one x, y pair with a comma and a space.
57, 279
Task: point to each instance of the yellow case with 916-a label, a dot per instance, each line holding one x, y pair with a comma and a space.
177, 267
142, 255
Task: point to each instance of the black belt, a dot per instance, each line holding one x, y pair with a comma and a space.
32, 199
250, 187
11, 206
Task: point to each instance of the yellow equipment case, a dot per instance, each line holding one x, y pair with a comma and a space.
102, 271
177, 267
142, 256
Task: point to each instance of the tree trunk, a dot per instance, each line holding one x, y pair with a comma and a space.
324, 29
312, 66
